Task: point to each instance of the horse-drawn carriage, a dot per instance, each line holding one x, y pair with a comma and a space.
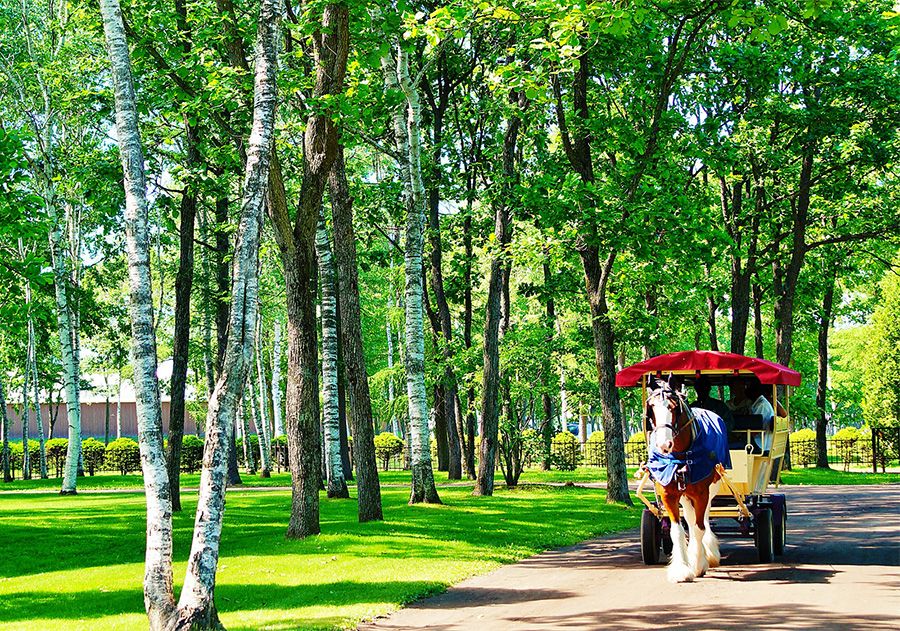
685, 442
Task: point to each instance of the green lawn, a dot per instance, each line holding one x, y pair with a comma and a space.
836, 476
77, 562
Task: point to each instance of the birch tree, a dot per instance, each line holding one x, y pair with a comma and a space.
337, 486
276, 381
195, 608
407, 130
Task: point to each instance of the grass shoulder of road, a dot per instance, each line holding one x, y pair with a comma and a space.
582, 475
813, 476
76, 562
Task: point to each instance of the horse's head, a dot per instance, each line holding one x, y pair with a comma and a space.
666, 416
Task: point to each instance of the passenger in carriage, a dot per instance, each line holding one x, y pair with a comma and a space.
704, 401
760, 405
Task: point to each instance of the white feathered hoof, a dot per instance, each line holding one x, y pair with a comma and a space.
711, 548
679, 573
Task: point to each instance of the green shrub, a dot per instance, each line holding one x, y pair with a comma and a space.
636, 447
386, 446
565, 452
191, 453
595, 449
532, 446
56, 449
846, 433
803, 447
93, 453
123, 455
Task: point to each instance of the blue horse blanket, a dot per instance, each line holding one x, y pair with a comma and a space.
709, 447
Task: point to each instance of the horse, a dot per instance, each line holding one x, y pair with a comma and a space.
684, 446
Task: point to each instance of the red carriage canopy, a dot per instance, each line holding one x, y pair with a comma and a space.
692, 361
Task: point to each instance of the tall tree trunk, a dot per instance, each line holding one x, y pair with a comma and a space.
409, 146
4, 430
181, 342
71, 373
36, 388
26, 454
337, 486
297, 245
495, 313
276, 380
546, 399
159, 599
825, 317
346, 464
712, 310
223, 289
757, 322
265, 443
469, 442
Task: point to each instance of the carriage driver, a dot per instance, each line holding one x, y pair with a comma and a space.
702, 387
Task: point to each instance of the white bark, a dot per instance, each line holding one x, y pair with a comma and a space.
265, 444
276, 381
395, 426
70, 370
407, 133
196, 604
333, 467
119, 408
158, 594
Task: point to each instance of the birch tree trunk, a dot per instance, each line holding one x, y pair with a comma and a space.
265, 445
276, 381
26, 455
70, 370
196, 609
159, 598
35, 384
337, 486
119, 408
4, 436
244, 415
408, 142
196, 605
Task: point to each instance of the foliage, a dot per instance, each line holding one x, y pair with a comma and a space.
93, 453
123, 455
803, 447
565, 451
881, 402
191, 453
55, 448
595, 449
636, 447
387, 446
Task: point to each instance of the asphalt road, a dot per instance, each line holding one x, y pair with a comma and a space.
841, 570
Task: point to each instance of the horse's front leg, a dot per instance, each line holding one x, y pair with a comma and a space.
695, 553
679, 571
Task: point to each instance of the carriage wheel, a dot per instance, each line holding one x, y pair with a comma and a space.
667, 539
650, 538
764, 543
779, 532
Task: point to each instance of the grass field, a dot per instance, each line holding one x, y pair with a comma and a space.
835, 476
77, 562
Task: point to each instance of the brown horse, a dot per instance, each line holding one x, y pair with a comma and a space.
673, 427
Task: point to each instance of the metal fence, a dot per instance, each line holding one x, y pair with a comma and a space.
881, 450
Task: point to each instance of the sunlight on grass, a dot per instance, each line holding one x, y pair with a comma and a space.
835, 476
89, 577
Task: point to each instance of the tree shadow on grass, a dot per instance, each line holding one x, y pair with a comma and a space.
230, 598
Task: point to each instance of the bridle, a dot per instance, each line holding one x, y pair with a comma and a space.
667, 392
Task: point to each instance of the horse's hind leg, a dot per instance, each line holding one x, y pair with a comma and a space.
695, 553
710, 541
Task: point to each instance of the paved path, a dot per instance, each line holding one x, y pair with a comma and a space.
841, 570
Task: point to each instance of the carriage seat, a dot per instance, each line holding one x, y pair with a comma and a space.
737, 439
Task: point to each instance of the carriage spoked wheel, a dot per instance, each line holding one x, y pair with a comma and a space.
764, 539
651, 538
779, 532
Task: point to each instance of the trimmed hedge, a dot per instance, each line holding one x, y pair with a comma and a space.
387, 446
93, 454
123, 455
